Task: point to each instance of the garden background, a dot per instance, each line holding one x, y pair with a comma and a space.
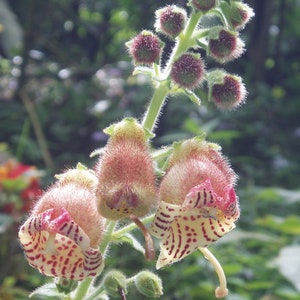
65, 74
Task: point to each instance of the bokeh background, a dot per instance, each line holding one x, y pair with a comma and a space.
65, 75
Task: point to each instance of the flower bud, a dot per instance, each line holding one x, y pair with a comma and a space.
240, 14
65, 285
204, 5
149, 284
170, 20
125, 173
145, 48
226, 91
81, 175
113, 282
62, 235
187, 71
224, 45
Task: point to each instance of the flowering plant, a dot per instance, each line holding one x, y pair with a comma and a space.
185, 192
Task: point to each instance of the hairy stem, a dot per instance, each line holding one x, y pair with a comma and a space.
184, 42
84, 286
155, 106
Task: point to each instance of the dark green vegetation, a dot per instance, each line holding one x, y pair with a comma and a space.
73, 66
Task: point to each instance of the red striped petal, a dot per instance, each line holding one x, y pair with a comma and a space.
59, 247
202, 219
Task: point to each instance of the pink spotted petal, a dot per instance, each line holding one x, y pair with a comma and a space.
203, 218
189, 231
203, 196
59, 247
164, 216
200, 196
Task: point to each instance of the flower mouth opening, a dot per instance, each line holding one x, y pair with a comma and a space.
124, 200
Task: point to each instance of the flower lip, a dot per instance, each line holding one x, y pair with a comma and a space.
57, 246
203, 218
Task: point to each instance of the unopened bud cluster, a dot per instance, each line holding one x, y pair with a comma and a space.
185, 69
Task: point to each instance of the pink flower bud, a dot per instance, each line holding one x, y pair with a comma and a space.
145, 48
125, 173
204, 5
187, 71
228, 93
170, 20
224, 45
62, 235
240, 14
198, 204
80, 175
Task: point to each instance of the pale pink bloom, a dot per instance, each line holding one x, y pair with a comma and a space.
198, 204
62, 235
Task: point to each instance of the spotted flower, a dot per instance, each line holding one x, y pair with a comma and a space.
198, 204
62, 235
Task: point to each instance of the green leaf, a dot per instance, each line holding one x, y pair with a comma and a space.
48, 290
225, 135
289, 225
130, 239
193, 97
143, 70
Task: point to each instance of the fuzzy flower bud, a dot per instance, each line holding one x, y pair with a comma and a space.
148, 284
145, 48
115, 282
224, 45
198, 204
226, 91
239, 14
204, 5
80, 175
58, 238
125, 173
65, 285
170, 20
187, 71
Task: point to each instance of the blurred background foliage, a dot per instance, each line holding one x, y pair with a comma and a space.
66, 75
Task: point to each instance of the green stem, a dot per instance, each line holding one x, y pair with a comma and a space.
84, 286
110, 226
184, 42
155, 106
